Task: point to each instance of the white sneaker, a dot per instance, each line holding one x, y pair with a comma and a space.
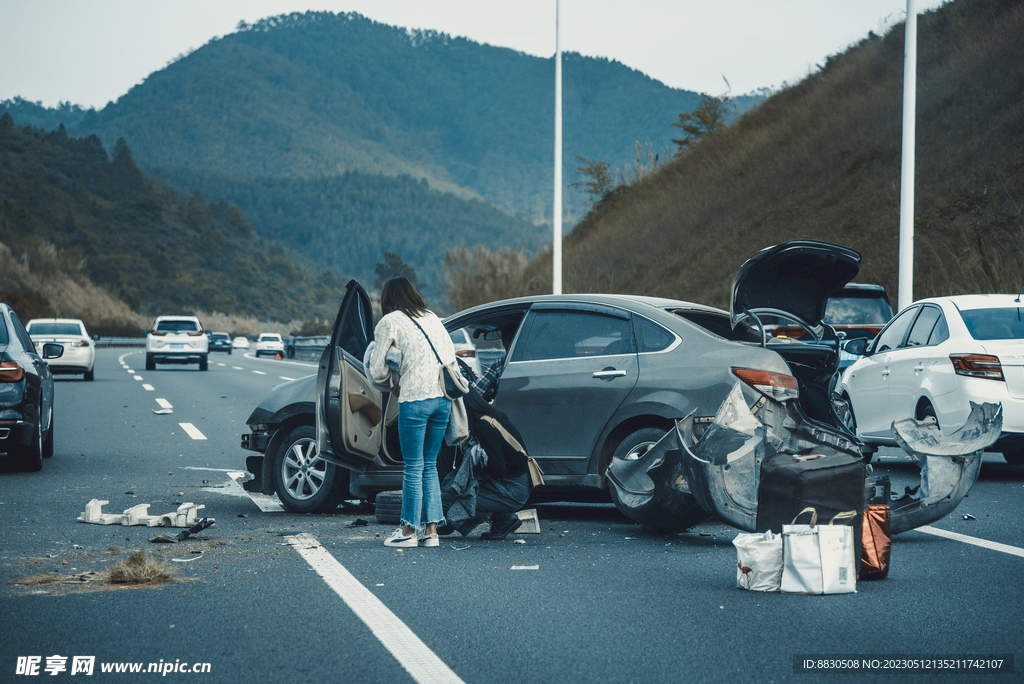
399, 538
431, 541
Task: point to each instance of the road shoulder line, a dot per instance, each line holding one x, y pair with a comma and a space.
983, 543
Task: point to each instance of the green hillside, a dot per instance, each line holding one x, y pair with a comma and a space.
137, 239
822, 160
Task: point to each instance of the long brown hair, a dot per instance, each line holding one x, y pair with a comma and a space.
398, 294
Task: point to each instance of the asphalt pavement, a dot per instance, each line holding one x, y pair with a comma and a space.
274, 596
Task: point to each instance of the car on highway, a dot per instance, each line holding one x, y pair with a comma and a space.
176, 339
240, 342
26, 395
270, 344
79, 348
588, 379
932, 360
220, 341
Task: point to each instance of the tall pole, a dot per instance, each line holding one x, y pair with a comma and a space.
556, 249
906, 281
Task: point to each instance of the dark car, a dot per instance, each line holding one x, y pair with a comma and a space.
589, 378
26, 395
219, 341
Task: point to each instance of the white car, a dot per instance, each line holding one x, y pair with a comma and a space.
240, 342
177, 339
79, 349
269, 343
465, 349
933, 359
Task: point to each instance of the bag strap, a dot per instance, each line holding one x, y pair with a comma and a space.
436, 356
845, 515
814, 516
506, 435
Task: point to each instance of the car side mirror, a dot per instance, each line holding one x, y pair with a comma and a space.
857, 346
53, 351
95, 338
492, 335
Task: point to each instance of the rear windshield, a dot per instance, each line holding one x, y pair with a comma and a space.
458, 337
218, 336
270, 338
857, 311
995, 324
4, 339
177, 326
54, 329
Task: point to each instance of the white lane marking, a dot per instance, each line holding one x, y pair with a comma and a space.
983, 543
525, 567
164, 403
259, 372
147, 387
220, 364
407, 648
129, 369
138, 377
237, 367
267, 504
192, 431
285, 377
215, 470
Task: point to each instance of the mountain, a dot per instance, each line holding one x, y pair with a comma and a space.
822, 159
136, 239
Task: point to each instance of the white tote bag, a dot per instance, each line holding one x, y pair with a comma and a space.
759, 561
818, 559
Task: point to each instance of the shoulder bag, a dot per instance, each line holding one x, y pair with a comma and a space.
453, 382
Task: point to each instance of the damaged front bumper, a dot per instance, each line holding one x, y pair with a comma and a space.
684, 479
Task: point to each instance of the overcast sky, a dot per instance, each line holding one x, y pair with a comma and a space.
90, 52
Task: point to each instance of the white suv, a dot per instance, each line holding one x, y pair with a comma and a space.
269, 343
177, 339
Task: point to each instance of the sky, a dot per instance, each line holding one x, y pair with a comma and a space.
90, 52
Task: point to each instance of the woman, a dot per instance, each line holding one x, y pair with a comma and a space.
423, 410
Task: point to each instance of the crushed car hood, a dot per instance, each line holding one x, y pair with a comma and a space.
794, 280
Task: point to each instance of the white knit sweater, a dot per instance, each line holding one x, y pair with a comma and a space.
419, 378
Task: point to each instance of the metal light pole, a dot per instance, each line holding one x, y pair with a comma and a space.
906, 269
556, 249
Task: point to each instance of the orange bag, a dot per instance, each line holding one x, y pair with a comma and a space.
876, 542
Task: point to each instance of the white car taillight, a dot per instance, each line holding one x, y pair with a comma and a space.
978, 366
79, 343
777, 386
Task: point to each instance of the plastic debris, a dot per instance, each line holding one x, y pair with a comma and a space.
185, 516
162, 412
201, 525
187, 560
968, 516
519, 541
358, 522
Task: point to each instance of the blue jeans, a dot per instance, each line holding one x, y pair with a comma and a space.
421, 428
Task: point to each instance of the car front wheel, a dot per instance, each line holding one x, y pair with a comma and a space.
303, 481
1014, 456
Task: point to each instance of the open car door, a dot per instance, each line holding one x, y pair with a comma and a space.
349, 419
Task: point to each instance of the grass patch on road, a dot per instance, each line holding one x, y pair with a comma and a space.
136, 571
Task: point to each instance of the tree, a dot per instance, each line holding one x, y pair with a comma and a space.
394, 267
707, 119
600, 175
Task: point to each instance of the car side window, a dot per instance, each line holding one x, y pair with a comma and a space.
22, 334
651, 337
940, 333
891, 337
573, 334
922, 330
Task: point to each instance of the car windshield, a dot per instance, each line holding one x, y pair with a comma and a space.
177, 326
857, 311
995, 324
218, 336
270, 338
54, 329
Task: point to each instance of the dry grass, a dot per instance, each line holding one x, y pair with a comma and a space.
821, 159
40, 579
138, 569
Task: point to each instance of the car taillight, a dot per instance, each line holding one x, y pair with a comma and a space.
11, 371
773, 385
157, 333
978, 366
79, 343
195, 334
467, 353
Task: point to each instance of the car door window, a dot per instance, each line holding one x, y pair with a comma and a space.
892, 336
651, 337
22, 334
940, 333
573, 334
922, 330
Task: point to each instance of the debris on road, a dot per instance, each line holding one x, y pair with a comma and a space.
201, 525
163, 412
358, 522
185, 516
531, 522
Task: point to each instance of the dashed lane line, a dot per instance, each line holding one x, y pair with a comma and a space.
237, 367
192, 431
259, 372
147, 387
221, 364
164, 403
138, 377
983, 543
407, 648
266, 503
285, 377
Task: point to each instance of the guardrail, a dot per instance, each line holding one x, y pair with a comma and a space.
121, 342
306, 348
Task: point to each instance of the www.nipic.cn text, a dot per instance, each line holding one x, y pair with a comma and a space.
86, 665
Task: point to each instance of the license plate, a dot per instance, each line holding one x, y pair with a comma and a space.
176, 346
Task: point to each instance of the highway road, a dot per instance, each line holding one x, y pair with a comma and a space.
269, 596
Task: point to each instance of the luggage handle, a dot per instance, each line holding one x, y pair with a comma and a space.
808, 457
814, 516
845, 515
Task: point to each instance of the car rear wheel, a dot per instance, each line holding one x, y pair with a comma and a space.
30, 458
48, 439
636, 444
203, 364
304, 482
150, 363
1014, 456
926, 410
89, 375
